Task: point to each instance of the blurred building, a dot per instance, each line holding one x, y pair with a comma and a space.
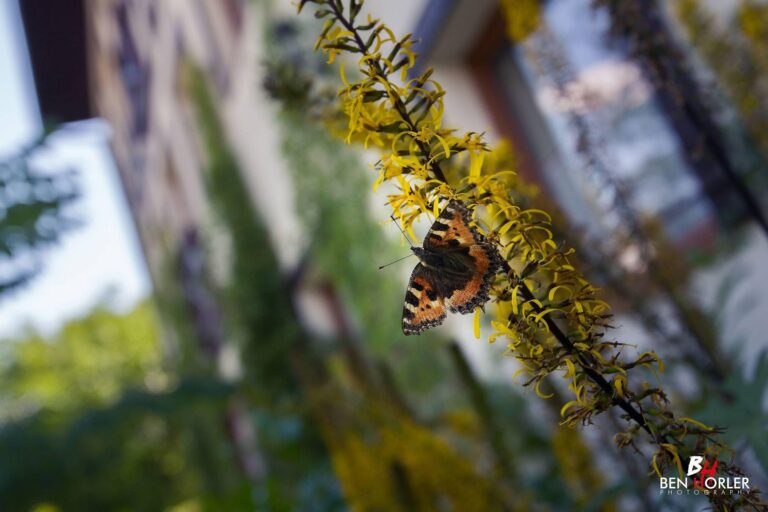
138, 51
124, 61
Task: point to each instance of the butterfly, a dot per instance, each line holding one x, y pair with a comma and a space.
455, 269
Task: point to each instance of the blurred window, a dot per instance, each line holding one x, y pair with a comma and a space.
597, 110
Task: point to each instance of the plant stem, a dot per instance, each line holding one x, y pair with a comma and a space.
396, 99
596, 377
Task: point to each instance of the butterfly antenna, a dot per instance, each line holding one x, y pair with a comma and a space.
403, 232
393, 262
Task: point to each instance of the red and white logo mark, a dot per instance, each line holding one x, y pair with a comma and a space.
705, 472
702, 478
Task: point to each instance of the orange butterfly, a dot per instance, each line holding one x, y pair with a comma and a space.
455, 269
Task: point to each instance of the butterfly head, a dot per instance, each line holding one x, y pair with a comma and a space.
420, 252
455, 262
429, 258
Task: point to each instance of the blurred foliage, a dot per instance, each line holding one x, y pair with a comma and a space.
259, 314
332, 192
178, 332
522, 17
93, 422
736, 53
33, 213
386, 460
408, 464
258, 307
742, 409
139, 453
87, 363
577, 469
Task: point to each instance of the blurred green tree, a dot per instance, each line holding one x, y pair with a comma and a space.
93, 421
88, 363
33, 213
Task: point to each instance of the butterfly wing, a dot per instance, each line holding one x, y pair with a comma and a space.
451, 229
424, 305
453, 232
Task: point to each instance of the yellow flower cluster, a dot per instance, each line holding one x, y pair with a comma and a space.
405, 458
548, 312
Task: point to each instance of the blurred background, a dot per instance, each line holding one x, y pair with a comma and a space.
191, 315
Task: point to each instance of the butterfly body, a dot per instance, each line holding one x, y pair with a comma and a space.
446, 261
455, 269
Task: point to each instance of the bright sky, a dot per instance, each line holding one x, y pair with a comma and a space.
104, 253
